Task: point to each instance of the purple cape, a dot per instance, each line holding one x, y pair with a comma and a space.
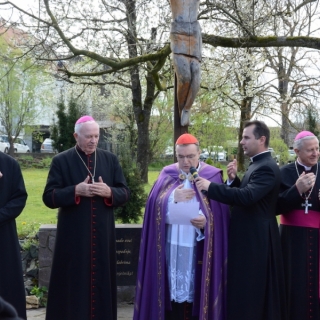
152, 291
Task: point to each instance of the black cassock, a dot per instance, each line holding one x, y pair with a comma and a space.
255, 284
13, 197
83, 276
300, 246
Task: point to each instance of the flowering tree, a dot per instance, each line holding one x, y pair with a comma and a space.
24, 92
121, 42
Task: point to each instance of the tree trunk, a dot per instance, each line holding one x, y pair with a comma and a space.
283, 90
285, 128
142, 111
245, 115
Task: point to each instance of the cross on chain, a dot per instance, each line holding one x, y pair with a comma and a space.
306, 204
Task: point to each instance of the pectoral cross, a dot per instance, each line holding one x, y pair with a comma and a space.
306, 204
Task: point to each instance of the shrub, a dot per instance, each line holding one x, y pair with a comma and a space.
132, 210
41, 293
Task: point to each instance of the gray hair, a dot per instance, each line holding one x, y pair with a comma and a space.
298, 144
78, 126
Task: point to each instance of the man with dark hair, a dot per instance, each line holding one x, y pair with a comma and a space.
299, 206
255, 285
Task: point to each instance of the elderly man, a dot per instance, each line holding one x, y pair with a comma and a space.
85, 183
299, 206
182, 263
13, 197
255, 268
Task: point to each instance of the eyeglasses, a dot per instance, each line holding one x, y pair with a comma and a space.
189, 156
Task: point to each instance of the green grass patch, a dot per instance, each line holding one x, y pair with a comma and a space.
36, 213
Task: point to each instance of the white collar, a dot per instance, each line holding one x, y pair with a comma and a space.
305, 167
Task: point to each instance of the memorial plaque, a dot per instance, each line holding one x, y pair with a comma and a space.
127, 246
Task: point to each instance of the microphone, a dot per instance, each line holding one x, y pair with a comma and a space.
195, 175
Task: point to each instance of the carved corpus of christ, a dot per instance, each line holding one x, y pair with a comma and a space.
186, 45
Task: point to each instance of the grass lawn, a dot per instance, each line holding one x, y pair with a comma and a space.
36, 213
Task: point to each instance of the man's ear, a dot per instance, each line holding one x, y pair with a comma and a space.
262, 140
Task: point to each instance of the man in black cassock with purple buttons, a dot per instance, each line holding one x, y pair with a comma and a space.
298, 204
85, 183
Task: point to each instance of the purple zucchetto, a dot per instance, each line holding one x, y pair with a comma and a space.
84, 119
303, 134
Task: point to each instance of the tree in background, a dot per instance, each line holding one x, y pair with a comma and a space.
312, 121
24, 92
212, 124
280, 149
112, 36
62, 131
132, 210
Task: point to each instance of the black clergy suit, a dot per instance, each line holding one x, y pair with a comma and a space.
13, 197
255, 285
83, 276
300, 245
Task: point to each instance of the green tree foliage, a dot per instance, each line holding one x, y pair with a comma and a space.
161, 126
312, 123
280, 149
23, 88
62, 131
132, 210
212, 127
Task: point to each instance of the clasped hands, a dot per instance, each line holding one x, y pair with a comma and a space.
99, 188
305, 182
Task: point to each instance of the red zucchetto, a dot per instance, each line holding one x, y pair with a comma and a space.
303, 134
186, 138
84, 119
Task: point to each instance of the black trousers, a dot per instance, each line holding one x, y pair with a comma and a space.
180, 311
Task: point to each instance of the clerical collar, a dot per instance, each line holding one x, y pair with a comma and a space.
302, 165
82, 152
258, 154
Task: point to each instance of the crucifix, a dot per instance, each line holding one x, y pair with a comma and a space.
306, 204
186, 47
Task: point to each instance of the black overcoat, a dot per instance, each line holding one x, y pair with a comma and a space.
255, 284
83, 276
13, 197
300, 246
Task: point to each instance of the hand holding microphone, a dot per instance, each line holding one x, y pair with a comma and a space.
200, 182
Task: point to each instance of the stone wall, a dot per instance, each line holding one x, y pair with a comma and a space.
127, 246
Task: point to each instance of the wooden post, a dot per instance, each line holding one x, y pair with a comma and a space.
178, 128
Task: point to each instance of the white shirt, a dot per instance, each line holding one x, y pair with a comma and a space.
181, 255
